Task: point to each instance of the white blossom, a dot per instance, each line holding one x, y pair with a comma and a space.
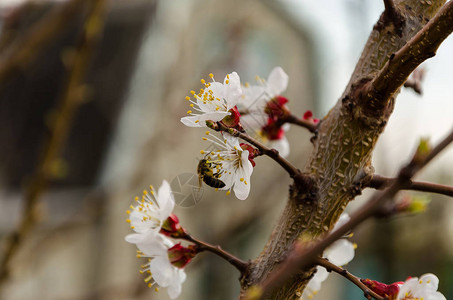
232, 164
161, 272
258, 114
152, 209
214, 101
424, 288
256, 96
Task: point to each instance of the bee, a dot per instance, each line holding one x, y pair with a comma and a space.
206, 173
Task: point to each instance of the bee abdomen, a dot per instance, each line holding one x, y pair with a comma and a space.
213, 182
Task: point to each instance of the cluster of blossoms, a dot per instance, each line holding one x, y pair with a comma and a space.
153, 222
423, 288
339, 253
255, 109
342, 252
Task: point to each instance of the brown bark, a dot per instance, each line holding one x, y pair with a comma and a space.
340, 164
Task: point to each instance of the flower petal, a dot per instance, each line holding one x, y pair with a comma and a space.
233, 90
163, 272
174, 289
277, 81
165, 200
340, 252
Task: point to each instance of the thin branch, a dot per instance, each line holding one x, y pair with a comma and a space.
302, 257
272, 153
380, 182
70, 101
415, 82
392, 14
354, 279
312, 127
236, 262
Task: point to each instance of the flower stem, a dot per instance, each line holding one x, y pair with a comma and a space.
272, 153
312, 127
354, 279
203, 246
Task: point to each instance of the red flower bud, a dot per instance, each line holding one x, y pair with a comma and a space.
252, 152
273, 131
233, 120
308, 115
276, 108
171, 227
385, 290
180, 256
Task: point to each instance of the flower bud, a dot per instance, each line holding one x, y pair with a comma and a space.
171, 227
276, 108
180, 256
308, 116
385, 290
233, 120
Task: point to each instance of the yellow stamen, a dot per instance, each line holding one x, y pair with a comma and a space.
201, 151
207, 132
189, 112
211, 75
191, 105
203, 81
187, 98
228, 192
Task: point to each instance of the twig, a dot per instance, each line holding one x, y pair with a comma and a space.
29, 46
380, 182
354, 279
236, 262
392, 14
415, 82
272, 153
312, 127
299, 259
70, 101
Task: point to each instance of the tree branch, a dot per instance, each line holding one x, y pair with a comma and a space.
236, 262
303, 257
340, 163
312, 127
415, 82
402, 63
380, 182
354, 279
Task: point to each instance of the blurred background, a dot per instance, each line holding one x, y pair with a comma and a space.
91, 93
